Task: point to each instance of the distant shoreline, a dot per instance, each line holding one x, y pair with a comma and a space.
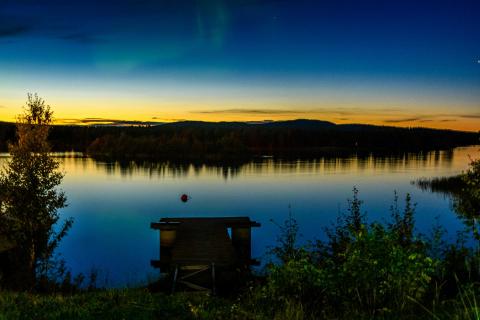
239, 140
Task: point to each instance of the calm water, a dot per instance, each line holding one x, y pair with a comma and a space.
113, 204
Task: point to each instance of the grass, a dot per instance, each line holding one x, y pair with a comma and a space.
118, 304
113, 304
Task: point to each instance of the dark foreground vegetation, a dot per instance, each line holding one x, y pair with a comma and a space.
208, 140
114, 304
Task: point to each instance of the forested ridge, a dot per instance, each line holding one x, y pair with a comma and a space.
194, 138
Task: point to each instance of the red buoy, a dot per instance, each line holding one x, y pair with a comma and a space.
184, 198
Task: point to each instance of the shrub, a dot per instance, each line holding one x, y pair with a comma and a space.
364, 269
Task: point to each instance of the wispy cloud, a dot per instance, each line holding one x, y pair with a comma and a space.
250, 111
437, 120
168, 119
409, 119
471, 115
19, 23
82, 37
443, 117
292, 111
104, 121
13, 30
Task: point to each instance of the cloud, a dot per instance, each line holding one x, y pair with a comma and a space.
82, 37
439, 120
168, 119
108, 122
267, 111
13, 30
410, 119
50, 20
471, 115
424, 118
250, 111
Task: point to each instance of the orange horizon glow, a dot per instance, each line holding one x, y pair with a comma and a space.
104, 107
443, 121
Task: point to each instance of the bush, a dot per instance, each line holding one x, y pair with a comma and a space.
362, 269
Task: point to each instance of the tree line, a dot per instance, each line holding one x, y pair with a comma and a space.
193, 139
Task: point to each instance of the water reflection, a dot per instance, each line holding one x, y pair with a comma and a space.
261, 166
463, 193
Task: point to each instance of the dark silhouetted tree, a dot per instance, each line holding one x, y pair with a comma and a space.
30, 198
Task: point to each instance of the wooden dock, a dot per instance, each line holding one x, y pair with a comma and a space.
190, 246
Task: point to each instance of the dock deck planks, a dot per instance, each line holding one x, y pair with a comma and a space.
203, 241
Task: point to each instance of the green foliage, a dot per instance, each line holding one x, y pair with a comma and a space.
402, 224
355, 219
364, 269
29, 198
379, 273
469, 308
467, 204
286, 248
472, 179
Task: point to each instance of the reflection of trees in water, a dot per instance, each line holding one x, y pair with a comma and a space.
327, 163
464, 191
467, 203
162, 169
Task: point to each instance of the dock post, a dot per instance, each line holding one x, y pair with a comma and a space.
174, 279
241, 239
213, 278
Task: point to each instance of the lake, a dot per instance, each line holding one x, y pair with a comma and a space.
113, 204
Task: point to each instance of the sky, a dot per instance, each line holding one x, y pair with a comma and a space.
402, 63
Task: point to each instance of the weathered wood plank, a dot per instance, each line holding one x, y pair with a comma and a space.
203, 241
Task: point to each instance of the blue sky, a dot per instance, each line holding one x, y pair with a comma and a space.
176, 60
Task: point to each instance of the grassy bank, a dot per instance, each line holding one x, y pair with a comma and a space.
112, 304
140, 304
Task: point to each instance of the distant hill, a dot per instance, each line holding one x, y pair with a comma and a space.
293, 124
300, 124
204, 124
188, 139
